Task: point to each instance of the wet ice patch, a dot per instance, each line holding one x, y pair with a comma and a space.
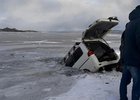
4, 67
18, 89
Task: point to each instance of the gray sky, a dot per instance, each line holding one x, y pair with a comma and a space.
52, 15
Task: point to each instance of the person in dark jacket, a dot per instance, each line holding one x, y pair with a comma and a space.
130, 56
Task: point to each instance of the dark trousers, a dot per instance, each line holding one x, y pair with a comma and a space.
128, 73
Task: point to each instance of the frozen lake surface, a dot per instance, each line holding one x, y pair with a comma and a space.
31, 69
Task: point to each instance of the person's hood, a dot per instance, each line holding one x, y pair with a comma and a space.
135, 14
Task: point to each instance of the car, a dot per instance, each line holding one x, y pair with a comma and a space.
93, 53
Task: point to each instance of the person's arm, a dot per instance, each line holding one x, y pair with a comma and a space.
138, 35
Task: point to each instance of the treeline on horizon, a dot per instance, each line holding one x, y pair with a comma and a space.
7, 29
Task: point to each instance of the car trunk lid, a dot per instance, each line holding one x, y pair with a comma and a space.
99, 28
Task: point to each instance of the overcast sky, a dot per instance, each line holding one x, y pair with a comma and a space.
52, 15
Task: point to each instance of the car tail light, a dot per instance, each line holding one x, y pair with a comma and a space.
90, 53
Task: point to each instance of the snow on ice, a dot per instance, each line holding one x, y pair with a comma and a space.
31, 69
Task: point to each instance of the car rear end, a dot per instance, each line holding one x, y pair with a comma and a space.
92, 53
105, 55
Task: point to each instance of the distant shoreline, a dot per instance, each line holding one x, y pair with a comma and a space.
15, 30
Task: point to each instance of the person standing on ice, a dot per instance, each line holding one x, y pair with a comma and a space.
130, 56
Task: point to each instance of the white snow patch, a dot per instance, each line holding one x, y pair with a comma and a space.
40, 42
47, 89
114, 35
92, 87
109, 42
118, 52
77, 40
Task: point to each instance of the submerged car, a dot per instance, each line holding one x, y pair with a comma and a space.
93, 53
